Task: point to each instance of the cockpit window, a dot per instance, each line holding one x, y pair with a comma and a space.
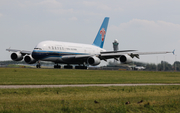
37, 48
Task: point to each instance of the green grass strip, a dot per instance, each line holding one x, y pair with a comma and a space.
27, 76
81, 100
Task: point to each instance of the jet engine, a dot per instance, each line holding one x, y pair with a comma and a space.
93, 61
29, 59
125, 59
16, 56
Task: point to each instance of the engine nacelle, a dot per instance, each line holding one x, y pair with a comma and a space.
16, 56
125, 59
93, 61
29, 59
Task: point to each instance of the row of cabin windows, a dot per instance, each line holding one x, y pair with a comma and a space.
55, 48
60, 48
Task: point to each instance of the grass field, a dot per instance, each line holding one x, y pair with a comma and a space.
10, 76
157, 99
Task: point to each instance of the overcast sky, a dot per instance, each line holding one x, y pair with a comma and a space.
143, 25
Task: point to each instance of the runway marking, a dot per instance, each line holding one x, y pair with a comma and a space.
79, 85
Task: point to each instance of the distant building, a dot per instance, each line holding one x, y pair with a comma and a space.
115, 45
3, 65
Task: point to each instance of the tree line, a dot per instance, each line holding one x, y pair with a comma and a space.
7, 62
162, 66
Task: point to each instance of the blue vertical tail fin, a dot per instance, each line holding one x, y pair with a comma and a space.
100, 38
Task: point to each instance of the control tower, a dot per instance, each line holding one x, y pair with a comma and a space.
115, 47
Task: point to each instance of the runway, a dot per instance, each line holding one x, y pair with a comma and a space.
79, 85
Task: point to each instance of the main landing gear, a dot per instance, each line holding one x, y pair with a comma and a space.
76, 67
38, 65
80, 67
57, 66
68, 67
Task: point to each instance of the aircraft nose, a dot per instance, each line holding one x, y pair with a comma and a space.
38, 55
35, 55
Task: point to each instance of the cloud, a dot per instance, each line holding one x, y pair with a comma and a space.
98, 5
119, 9
25, 4
145, 33
87, 3
73, 18
156, 26
1, 14
61, 11
104, 7
55, 7
51, 4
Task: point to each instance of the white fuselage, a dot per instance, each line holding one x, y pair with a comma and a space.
55, 50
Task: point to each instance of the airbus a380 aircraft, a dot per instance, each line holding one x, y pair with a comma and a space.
75, 53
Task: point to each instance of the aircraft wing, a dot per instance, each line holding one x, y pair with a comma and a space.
108, 55
147, 53
102, 55
117, 51
114, 54
136, 54
21, 51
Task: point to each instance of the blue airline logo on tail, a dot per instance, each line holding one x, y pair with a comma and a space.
100, 38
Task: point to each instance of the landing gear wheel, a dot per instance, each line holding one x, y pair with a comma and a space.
57, 66
68, 67
80, 67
